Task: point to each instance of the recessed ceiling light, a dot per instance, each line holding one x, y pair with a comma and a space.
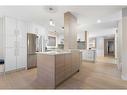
98, 21
51, 23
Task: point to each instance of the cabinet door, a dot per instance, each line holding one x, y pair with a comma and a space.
22, 34
68, 65
75, 61
21, 44
60, 66
10, 43
10, 59
84, 55
10, 29
21, 58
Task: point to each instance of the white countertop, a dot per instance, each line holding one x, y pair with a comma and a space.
53, 52
88, 50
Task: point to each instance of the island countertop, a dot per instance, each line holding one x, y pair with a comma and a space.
54, 52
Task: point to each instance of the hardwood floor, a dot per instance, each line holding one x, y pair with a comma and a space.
96, 76
106, 59
91, 76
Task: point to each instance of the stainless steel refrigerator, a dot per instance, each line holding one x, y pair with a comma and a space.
31, 50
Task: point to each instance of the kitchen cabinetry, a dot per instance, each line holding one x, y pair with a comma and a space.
10, 59
55, 67
88, 55
75, 61
59, 68
15, 44
68, 65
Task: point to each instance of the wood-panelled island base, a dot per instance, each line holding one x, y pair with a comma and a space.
55, 67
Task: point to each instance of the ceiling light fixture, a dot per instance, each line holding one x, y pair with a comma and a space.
98, 21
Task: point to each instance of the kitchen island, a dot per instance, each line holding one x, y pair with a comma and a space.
89, 55
55, 67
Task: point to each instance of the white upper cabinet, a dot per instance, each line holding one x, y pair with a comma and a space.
16, 44
16, 33
21, 34
10, 29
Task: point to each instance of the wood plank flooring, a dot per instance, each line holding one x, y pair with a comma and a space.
91, 76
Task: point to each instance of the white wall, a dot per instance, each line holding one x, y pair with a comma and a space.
124, 44
104, 32
119, 45
1, 39
99, 34
100, 46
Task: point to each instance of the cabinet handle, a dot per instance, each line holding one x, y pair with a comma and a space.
15, 51
15, 44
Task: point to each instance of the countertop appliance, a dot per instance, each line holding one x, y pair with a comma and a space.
31, 50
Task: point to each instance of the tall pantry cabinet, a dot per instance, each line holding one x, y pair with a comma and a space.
15, 44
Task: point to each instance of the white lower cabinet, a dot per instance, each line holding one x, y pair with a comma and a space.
21, 59
88, 55
15, 61
10, 59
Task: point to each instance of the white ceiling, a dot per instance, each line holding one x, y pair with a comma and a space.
87, 15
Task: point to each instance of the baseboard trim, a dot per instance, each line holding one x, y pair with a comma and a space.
16, 70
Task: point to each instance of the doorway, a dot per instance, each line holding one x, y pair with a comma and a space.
109, 47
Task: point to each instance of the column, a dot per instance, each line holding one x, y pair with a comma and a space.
124, 44
100, 46
87, 39
70, 31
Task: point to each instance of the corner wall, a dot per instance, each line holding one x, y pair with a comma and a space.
124, 44
70, 31
100, 46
